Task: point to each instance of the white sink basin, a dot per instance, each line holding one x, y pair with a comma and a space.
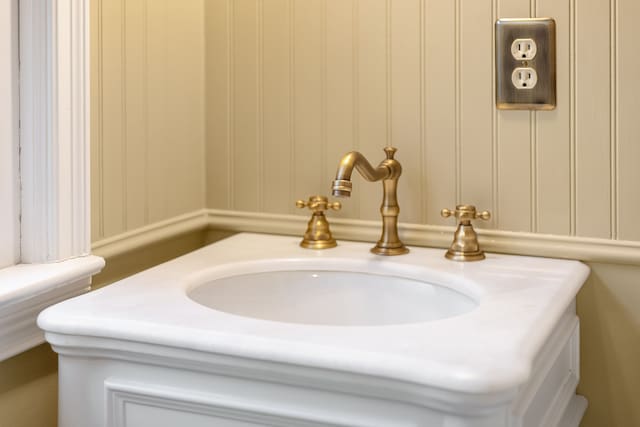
324, 297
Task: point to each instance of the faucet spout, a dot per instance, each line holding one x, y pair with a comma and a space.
342, 183
388, 171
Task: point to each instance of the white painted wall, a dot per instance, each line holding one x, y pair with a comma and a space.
9, 113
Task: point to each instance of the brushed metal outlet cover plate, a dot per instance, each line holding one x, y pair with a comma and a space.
543, 95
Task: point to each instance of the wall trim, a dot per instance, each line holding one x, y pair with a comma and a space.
30, 288
151, 234
517, 243
54, 170
54, 130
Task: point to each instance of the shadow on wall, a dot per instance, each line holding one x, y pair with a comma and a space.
610, 344
29, 389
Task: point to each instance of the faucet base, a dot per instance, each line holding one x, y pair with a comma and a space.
465, 246
464, 256
318, 244
378, 250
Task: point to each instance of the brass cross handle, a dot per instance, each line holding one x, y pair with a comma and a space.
465, 246
318, 204
318, 234
465, 213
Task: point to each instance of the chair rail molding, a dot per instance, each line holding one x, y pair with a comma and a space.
54, 129
508, 242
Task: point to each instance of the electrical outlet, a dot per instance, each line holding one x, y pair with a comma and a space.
523, 49
525, 64
524, 78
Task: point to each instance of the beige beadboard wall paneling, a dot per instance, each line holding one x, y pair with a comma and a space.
372, 103
276, 85
147, 61
245, 147
156, 115
135, 91
293, 85
626, 69
553, 132
340, 96
405, 91
308, 91
185, 106
219, 117
475, 104
439, 160
514, 208
112, 136
592, 102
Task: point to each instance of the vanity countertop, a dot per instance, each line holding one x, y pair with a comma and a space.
486, 350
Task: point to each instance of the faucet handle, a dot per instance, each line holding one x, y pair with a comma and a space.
465, 213
465, 246
318, 234
318, 204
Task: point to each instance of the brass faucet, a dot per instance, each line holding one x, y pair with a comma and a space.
318, 234
465, 246
388, 171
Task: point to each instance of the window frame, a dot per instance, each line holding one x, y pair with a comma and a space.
56, 261
9, 138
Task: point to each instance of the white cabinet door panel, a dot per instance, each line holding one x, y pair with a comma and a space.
145, 416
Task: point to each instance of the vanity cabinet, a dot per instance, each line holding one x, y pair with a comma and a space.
108, 383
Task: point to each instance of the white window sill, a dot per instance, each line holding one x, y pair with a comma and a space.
27, 289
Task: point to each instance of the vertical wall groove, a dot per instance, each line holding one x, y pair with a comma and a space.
145, 102
494, 122
355, 122
123, 95
533, 143
355, 81
533, 140
260, 99
572, 106
292, 101
100, 138
231, 101
323, 85
613, 59
423, 56
389, 70
458, 99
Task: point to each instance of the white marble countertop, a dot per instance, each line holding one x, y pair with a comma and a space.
489, 349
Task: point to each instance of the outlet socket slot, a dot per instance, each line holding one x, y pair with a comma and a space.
524, 49
524, 78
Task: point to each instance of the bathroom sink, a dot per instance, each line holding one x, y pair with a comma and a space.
325, 297
255, 330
